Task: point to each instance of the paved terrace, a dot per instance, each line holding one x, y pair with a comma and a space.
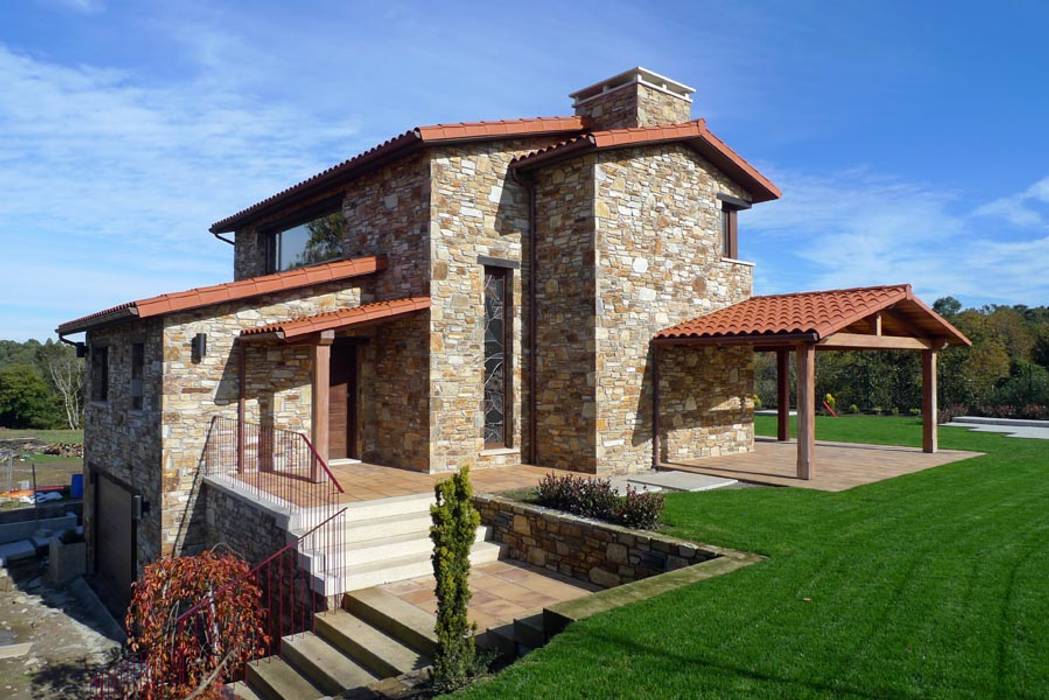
841, 465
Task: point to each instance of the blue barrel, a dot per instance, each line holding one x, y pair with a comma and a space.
76, 486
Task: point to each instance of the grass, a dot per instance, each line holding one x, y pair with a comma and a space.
50, 436
932, 584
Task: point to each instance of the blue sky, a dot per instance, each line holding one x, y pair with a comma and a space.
909, 139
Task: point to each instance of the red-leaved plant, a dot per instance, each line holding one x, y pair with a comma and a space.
194, 622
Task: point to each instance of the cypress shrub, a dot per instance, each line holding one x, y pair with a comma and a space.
454, 529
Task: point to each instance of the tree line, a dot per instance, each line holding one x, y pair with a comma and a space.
1004, 374
41, 385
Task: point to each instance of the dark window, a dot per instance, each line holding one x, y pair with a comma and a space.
138, 357
100, 374
307, 243
497, 353
729, 232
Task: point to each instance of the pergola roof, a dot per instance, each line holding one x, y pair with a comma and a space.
229, 291
329, 321
816, 316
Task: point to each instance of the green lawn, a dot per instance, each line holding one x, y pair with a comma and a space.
934, 584
71, 436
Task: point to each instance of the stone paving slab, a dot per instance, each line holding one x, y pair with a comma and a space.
1013, 431
681, 481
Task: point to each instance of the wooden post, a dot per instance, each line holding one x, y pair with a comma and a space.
655, 407
783, 394
929, 408
806, 363
321, 388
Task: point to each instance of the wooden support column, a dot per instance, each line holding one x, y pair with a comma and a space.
806, 365
929, 407
655, 406
321, 389
783, 394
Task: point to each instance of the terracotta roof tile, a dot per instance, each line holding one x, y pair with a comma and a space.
229, 291
400, 145
694, 133
339, 319
820, 314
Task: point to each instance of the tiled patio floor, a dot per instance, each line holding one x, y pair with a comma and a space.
502, 592
366, 482
838, 465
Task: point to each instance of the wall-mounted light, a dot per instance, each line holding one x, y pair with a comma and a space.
199, 346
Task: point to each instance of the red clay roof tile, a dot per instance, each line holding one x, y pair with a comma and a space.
694, 133
331, 320
819, 313
229, 291
398, 146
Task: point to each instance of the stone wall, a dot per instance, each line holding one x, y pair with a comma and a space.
589, 550
476, 210
566, 308
659, 262
123, 442
238, 524
634, 105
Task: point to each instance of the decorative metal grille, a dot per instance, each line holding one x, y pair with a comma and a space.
495, 351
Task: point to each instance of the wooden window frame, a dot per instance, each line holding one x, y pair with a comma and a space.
730, 208
505, 269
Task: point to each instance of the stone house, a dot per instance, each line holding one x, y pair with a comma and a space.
479, 293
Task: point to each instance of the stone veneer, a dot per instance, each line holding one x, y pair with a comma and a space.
632, 105
588, 550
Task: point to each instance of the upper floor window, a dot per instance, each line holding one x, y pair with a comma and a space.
100, 373
730, 207
138, 361
315, 240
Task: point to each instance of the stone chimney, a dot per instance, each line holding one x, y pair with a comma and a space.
637, 97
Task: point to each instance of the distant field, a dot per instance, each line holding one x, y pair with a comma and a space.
70, 436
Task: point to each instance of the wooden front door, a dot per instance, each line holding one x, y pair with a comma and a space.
342, 402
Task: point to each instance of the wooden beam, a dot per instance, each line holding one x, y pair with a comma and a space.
863, 341
929, 407
783, 394
321, 376
806, 367
876, 323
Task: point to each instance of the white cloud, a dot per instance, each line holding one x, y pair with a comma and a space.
1021, 209
855, 228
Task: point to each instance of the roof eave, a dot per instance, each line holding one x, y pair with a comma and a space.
86, 324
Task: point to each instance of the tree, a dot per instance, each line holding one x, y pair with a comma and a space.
454, 531
26, 401
947, 307
1040, 351
66, 372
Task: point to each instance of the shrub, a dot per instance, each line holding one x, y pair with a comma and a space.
454, 530
830, 400
914, 411
757, 402
895, 410
949, 413
596, 498
853, 408
217, 639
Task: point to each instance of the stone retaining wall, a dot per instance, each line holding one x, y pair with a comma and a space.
234, 521
603, 554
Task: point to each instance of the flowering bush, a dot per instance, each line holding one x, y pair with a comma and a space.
194, 622
596, 498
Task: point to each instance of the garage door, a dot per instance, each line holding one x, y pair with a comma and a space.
114, 541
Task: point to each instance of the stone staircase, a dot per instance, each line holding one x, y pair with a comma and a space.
383, 541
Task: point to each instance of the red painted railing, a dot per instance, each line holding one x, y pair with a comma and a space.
306, 576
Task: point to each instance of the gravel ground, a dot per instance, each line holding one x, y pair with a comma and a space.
65, 637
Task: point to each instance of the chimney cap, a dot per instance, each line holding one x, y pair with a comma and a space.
633, 76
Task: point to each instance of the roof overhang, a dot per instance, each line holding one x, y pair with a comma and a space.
303, 329
864, 318
228, 292
395, 148
694, 134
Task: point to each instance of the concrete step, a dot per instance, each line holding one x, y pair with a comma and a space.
529, 630
375, 573
323, 665
396, 618
273, 678
383, 656
367, 551
241, 690
387, 526
384, 507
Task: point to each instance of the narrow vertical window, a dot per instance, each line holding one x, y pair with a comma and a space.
100, 374
138, 356
729, 233
497, 353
